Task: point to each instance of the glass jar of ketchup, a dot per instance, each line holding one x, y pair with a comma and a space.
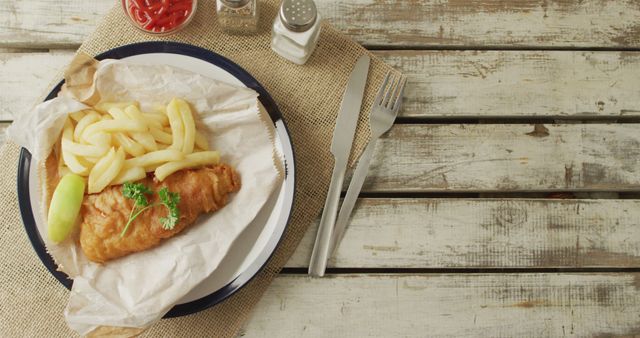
159, 17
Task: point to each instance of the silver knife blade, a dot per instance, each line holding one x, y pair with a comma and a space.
350, 109
340, 147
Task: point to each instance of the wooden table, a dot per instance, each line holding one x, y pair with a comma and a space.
503, 203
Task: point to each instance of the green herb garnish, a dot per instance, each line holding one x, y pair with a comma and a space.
170, 200
138, 192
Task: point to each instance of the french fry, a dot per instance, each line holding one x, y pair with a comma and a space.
74, 165
114, 126
105, 106
98, 143
203, 158
177, 127
135, 114
68, 158
89, 160
159, 113
162, 119
132, 113
151, 168
130, 146
155, 157
201, 141
146, 140
88, 119
83, 149
190, 161
109, 167
160, 136
129, 175
77, 116
118, 114
88, 164
153, 123
189, 126
99, 169
100, 139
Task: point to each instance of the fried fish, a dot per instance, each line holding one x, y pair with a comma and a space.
104, 215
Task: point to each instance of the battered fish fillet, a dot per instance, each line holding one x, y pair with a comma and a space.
105, 214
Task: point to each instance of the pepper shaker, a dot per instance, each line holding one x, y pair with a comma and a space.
238, 16
296, 30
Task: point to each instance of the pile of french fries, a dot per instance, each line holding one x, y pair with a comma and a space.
115, 142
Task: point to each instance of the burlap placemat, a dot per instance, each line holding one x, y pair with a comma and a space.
32, 301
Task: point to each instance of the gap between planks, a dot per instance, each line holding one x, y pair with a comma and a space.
438, 271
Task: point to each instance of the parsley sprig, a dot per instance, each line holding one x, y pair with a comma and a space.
170, 200
138, 193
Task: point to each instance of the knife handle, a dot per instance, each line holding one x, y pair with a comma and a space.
320, 252
355, 186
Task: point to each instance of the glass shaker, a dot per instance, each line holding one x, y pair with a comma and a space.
238, 16
296, 30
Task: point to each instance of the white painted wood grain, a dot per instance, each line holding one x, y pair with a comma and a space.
507, 157
43, 23
486, 233
442, 84
24, 78
518, 84
451, 305
587, 23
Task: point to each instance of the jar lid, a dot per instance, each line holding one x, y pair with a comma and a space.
235, 3
298, 15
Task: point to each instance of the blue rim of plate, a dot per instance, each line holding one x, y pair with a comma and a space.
244, 277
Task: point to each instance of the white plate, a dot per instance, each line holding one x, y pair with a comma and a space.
255, 245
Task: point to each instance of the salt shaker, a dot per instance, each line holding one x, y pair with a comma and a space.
296, 30
238, 16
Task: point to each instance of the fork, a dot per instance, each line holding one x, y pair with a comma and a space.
383, 113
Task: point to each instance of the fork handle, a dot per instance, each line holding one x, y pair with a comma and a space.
320, 252
355, 186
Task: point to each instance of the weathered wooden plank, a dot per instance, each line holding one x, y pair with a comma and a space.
43, 23
589, 23
442, 84
486, 233
518, 83
507, 157
487, 23
25, 77
452, 305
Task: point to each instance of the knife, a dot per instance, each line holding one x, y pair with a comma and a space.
340, 148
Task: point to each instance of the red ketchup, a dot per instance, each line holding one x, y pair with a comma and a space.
159, 16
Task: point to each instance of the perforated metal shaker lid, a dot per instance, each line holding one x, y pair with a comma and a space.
298, 15
235, 3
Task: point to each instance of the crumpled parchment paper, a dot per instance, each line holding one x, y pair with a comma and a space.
137, 290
